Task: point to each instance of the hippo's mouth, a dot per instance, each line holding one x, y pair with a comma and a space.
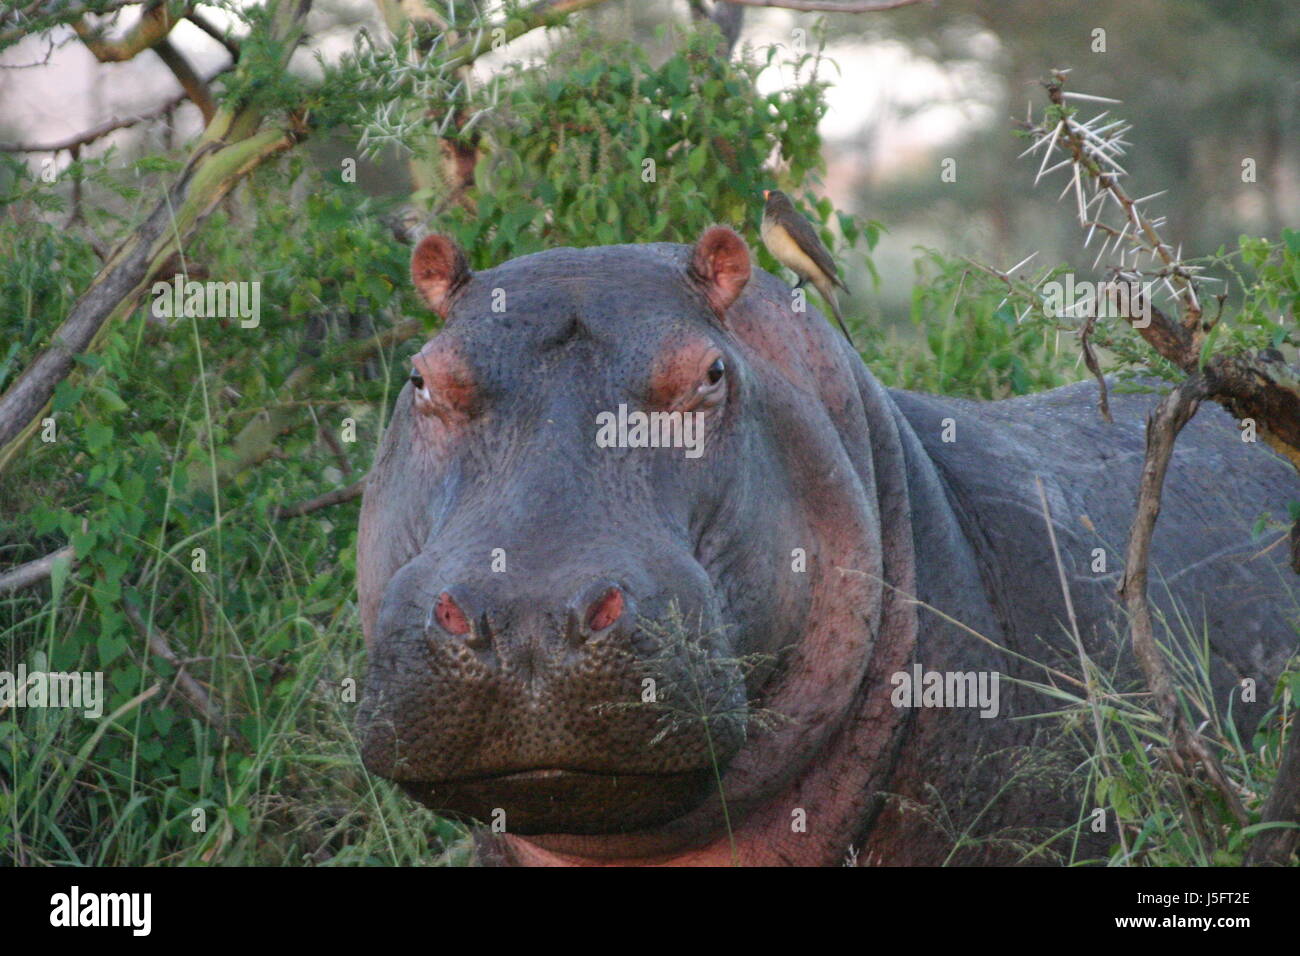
556, 800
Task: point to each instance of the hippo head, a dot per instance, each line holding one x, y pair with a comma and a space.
613, 502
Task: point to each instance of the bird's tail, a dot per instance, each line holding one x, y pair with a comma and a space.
828, 294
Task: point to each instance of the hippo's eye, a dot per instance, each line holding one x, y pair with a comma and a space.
417, 380
716, 371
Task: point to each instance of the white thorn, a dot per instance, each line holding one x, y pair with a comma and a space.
1049, 171
1101, 253
1078, 195
1048, 154
1021, 263
1090, 98
1038, 142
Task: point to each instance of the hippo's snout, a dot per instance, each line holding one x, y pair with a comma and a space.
551, 694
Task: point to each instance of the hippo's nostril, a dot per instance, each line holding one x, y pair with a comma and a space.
449, 615
605, 610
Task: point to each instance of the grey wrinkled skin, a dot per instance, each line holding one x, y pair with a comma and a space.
535, 715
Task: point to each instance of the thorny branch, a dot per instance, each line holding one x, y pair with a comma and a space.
1256, 387
1260, 387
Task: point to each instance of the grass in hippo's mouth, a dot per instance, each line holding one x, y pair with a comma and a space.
689, 686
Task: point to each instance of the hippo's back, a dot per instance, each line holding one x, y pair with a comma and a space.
1211, 576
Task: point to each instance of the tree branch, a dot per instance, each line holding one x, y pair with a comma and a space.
155, 23
33, 572
21, 27
200, 20
1274, 846
190, 688
1261, 387
336, 497
190, 81
1187, 748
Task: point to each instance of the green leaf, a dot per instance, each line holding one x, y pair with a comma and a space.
698, 157
110, 649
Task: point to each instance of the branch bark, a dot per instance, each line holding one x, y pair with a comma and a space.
33, 572
153, 26
200, 20
1187, 748
190, 81
336, 497
1273, 847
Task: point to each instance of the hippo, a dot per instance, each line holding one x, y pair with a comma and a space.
616, 639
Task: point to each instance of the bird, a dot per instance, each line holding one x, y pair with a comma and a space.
794, 243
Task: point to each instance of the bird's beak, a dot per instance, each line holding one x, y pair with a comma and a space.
766, 193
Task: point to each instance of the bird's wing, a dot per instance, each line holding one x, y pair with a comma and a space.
802, 232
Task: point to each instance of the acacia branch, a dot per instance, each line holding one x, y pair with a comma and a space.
1187, 748
1259, 387
190, 81
18, 22
200, 20
211, 173
154, 25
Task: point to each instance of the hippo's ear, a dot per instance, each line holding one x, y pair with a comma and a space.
439, 269
720, 266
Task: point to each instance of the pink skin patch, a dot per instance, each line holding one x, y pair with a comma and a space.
449, 391
606, 610
450, 616
678, 374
